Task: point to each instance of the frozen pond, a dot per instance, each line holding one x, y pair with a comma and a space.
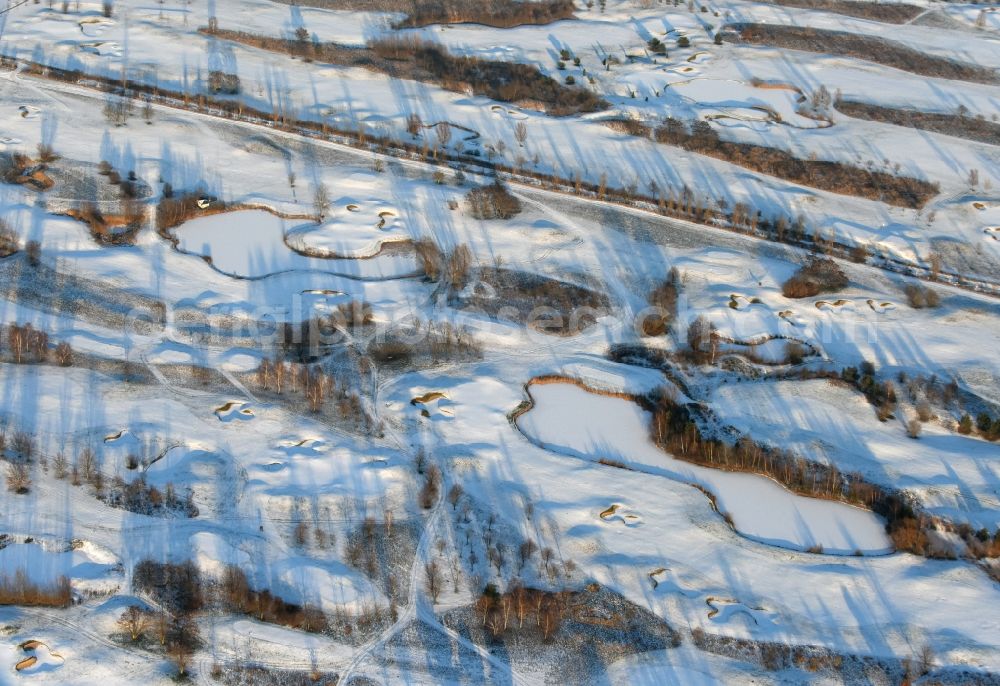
250, 244
568, 419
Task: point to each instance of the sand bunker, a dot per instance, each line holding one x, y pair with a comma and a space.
618, 513
234, 410
433, 403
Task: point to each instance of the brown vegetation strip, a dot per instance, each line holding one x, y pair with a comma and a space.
419, 60
958, 124
20, 590
892, 13
501, 14
869, 48
826, 175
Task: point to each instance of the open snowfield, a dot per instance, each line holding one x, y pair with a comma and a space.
334, 423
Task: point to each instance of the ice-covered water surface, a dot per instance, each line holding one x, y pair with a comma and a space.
570, 419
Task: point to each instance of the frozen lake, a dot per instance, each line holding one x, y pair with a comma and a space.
569, 419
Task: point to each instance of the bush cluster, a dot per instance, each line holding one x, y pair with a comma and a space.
818, 276
492, 202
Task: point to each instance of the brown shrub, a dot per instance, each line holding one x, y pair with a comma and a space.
431, 258
819, 276
222, 82
631, 127
174, 210
920, 296
418, 60
18, 478
492, 202
431, 488
64, 354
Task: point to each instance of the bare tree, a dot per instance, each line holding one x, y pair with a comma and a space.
521, 133
64, 354
435, 579
321, 201
934, 260
134, 622
18, 478
60, 466
430, 258
926, 659
525, 551
161, 625
549, 619
702, 336
459, 264
443, 131
497, 555
414, 125
182, 639
117, 110
24, 445
454, 495
33, 251
87, 462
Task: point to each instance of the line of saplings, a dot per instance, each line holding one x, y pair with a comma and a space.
316, 387
28, 345
21, 590
836, 177
135, 496
180, 591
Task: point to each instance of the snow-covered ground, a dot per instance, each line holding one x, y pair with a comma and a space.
300, 501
